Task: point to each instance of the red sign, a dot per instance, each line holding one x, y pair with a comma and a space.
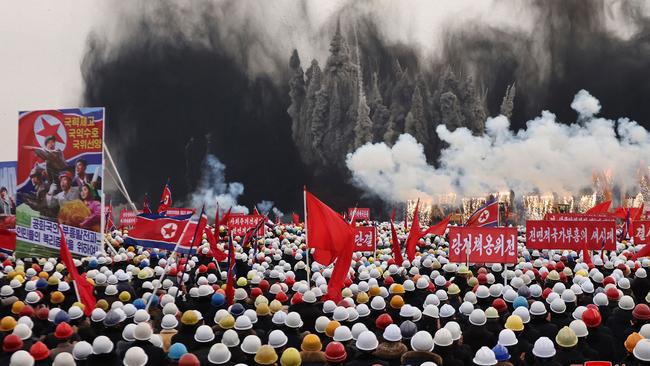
127, 218
239, 225
365, 238
179, 211
641, 231
578, 217
485, 245
362, 213
573, 235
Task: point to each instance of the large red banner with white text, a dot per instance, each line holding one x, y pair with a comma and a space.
572, 216
173, 211
238, 225
361, 213
641, 231
572, 235
485, 244
127, 218
365, 238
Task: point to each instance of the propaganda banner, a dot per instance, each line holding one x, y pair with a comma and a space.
238, 225
572, 235
572, 216
365, 238
59, 181
128, 218
641, 231
485, 244
179, 211
8, 206
362, 213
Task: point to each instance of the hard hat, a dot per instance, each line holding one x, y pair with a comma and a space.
579, 328
392, 333
251, 344
219, 354
507, 338
544, 348
290, 357
266, 355
501, 353
443, 338
422, 341
312, 343
176, 351
454, 328
64, 359
82, 350
514, 323
642, 350
335, 352
566, 337
631, 341
102, 345
485, 357
277, 339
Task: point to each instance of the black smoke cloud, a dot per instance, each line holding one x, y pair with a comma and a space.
166, 88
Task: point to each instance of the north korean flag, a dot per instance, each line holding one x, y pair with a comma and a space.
165, 199
158, 231
485, 216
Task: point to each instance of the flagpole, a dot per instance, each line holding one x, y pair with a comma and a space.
304, 204
162, 276
110, 159
189, 252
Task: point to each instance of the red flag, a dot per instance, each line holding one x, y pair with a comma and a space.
255, 212
197, 236
165, 199
437, 229
413, 237
585, 254
599, 208
327, 231
230, 283
224, 219
7, 240
486, 216
397, 251
341, 270
638, 213
216, 218
109, 225
296, 218
644, 252
217, 253
84, 289
145, 206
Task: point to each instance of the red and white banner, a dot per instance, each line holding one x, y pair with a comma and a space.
486, 245
179, 211
127, 218
572, 216
641, 231
365, 238
362, 213
239, 224
572, 235
486, 216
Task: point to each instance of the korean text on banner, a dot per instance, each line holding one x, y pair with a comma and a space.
361, 213
364, 238
572, 216
238, 225
572, 235
641, 231
487, 245
59, 180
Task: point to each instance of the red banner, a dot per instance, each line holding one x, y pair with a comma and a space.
573, 235
365, 238
362, 213
486, 245
572, 216
239, 224
641, 231
179, 211
127, 218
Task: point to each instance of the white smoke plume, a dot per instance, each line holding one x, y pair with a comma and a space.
213, 189
264, 207
547, 156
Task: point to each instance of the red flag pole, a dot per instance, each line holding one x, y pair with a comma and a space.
304, 204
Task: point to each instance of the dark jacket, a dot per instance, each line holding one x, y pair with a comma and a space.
416, 358
391, 352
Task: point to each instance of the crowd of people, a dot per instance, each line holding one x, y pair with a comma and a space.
155, 308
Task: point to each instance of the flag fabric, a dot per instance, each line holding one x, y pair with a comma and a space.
296, 218
197, 229
341, 270
397, 251
230, 283
157, 231
328, 233
599, 208
7, 240
437, 229
414, 233
165, 199
255, 211
225, 218
216, 218
146, 209
110, 225
84, 288
485, 216
643, 252
585, 254
217, 253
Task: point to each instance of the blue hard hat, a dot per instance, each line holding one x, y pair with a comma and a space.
501, 352
236, 309
217, 300
177, 350
139, 304
41, 284
520, 301
61, 317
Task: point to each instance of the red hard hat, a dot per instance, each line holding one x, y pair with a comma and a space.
482, 270
609, 280
593, 306
63, 331
641, 312
281, 297
391, 261
42, 313
562, 276
388, 281
296, 298
264, 285
383, 321
12, 343
27, 310
547, 291
347, 282
612, 293
189, 359
39, 351
290, 281
500, 305
203, 268
591, 318
255, 292
559, 266
482, 278
335, 352
212, 266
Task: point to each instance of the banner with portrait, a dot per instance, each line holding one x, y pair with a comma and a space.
59, 181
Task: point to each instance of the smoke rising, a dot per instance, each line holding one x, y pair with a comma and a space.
547, 156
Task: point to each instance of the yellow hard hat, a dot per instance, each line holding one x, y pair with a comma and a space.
7, 323
311, 343
262, 309
53, 281
102, 304
566, 337
491, 313
17, 307
331, 327
553, 276
189, 317
396, 302
362, 298
57, 297
374, 291
266, 355
631, 341
241, 282
514, 323
275, 306
125, 296
261, 299
227, 322
453, 289
397, 289
472, 281
290, 357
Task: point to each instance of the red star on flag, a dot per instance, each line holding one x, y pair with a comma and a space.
50, 130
